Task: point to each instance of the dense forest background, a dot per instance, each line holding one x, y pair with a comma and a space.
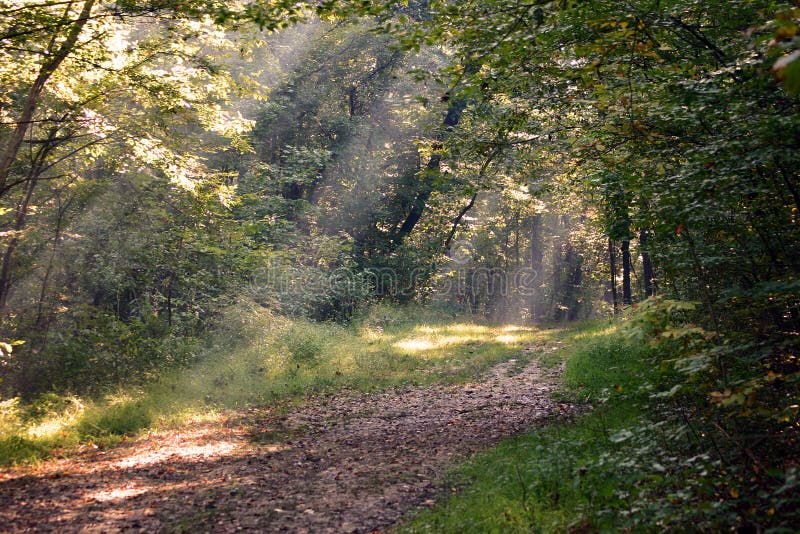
165, 162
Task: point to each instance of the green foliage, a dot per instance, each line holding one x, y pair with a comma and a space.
305, 342
17, 449
639, 460
255, 358
597, 367
99, 351
124, 419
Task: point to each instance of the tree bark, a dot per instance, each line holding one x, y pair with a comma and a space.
62, 210
457, 221
9, 154
537, 260
431, 171
31, 181
648, 272
627, 296
612, 261
8, 256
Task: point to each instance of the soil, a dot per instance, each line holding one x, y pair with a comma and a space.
351, 462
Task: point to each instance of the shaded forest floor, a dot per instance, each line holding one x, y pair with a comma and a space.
346, 462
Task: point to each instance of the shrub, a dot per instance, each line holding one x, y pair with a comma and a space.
305, 342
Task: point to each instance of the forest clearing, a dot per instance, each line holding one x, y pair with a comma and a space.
400, 265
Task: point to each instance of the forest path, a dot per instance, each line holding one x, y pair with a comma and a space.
351, 462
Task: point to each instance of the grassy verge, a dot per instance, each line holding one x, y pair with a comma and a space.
552, 479
261, 359
641, 460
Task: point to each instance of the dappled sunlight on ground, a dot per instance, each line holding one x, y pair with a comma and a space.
228, 454
422, 344
415, 345
464, 327
516, 328
587, 333
117, 494
50, 427
309, 357
53, 423
429, 338
191, 416
371, 333
346, 462
178, 451
132, 483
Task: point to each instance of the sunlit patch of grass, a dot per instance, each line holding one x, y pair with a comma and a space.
593, 329
564, 477
54, 422
507, 339
27, 433
428, 338
275, 361
468, 328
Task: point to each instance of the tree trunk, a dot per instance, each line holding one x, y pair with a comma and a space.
457, 221
431, 171
627, 297
647, 266
575, 282
62, 210
8, 256
537, 260
612, 261
352, 102
9, 155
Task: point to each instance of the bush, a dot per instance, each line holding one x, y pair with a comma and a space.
123, 419
383, 315
95, 352
305, 342
17, 449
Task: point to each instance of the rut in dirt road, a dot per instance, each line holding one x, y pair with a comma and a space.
352, 462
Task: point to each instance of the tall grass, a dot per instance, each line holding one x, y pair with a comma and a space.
257, 358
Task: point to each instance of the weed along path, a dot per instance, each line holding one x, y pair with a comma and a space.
350, 462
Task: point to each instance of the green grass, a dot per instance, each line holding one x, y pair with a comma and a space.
566, 476
258, 359
649, 456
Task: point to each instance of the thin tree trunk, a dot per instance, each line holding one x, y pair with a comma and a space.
612, 261
31, 181
173, 276
516, 239
647, 266
51, 261
575, 281
431, 171
627, 296
537, 260
9, 154
8, 256
457, 221
558, 261
785, 175
708, 299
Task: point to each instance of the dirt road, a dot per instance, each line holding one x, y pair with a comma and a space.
352, 462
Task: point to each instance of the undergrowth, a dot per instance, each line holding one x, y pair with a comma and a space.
643, 459
258, 358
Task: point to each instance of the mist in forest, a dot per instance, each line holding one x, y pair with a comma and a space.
212, 211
